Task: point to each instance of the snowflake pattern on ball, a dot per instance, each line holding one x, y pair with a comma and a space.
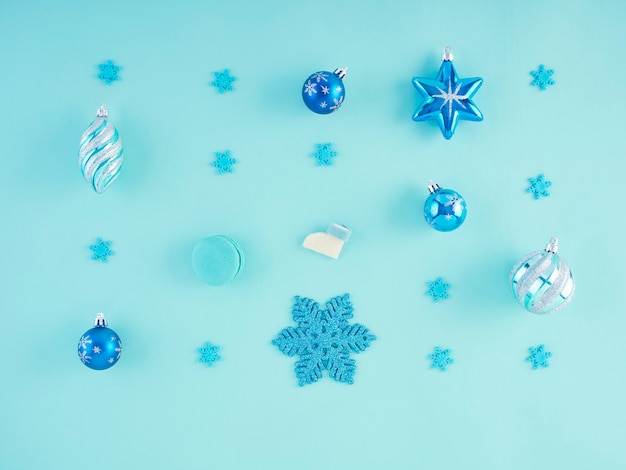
440, 359
101, 250
338, 102
223, 81
539, 356
438, 289
323, 339
542, 77
539, 186
209, 354
223, 162
310, 88
108, 72
325, 154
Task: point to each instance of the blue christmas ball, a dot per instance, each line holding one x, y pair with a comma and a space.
542, 281
445, 209
323, 92
99, 348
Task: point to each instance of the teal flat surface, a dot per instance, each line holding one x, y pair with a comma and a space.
159, 408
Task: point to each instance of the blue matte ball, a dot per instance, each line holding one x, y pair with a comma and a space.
445, 210
323, 92
99, 348
217, 260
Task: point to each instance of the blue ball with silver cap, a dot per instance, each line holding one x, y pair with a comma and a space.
323, 92
445, 209
100, 347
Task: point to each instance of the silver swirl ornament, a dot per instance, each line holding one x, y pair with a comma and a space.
542, 281
101, 153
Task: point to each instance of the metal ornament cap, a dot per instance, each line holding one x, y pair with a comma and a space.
542, 281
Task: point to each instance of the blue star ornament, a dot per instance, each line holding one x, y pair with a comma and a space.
447, 98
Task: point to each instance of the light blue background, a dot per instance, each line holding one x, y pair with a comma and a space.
159, 408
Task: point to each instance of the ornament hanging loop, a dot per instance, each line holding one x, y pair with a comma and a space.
100, 321
102, 111
553, 245
433, 187
341, 72
447, 54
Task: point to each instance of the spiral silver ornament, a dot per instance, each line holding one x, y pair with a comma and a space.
100, 154
543, 282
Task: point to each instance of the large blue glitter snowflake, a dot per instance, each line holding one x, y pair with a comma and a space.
440, 358
101, 250
542, 77
539, 356
438, 289
323, 339
108, 72
325, 154
223, 162
539, 186
223, 81
209, 354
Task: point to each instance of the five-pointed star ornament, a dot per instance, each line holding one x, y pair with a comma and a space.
447, 98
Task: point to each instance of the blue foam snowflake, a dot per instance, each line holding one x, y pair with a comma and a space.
440, 358
101, 250
223, 81
209, 354
539, 186
542, 77
108, 72
224, 162
539, 356
325, 154
323, 339
438, 289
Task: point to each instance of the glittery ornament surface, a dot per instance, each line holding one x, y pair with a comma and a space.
543, 282
100, 154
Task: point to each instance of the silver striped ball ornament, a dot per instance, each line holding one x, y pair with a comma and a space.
542, 281
100, 154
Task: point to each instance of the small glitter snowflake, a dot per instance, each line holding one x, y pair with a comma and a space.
101, 250
539, 356
223, 81
323, 339
224, 162
539, 186
437, 289
440, 358
542, 77
108, 72
209, 354
325, 154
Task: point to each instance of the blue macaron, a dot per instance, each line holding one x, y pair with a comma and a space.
217, 260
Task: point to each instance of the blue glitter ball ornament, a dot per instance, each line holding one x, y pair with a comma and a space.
100, 347
100, 154
323, 92
542, 281
445, 209
447, 98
